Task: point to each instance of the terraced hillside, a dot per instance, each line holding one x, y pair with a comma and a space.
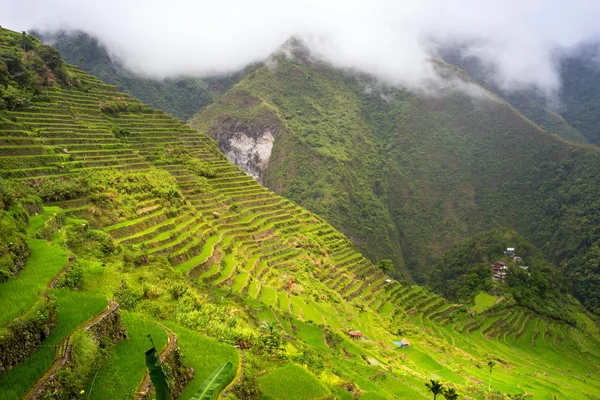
405, 175
143, 210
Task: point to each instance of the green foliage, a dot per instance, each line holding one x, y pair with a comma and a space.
200, 168
450, 394
196, 312
464, 271
435, 387
119, 105
84, 351
26, 66
270, 340
247, 389
216, 381
13, 219
82, 239
126, 297
291, 381
71, 278
157, 375
17, 294
120, 132
386, 266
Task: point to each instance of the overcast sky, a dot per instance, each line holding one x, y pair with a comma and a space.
392, 39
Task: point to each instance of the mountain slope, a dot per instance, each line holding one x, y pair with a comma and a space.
572, 113
182, 97
439, 168
140, 209
323, 155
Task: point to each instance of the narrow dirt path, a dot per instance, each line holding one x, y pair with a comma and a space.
64, 356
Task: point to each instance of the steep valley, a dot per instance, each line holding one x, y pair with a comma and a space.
119, 221
406, 176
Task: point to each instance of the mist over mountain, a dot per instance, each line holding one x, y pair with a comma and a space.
394, 41
180, 96
371, 200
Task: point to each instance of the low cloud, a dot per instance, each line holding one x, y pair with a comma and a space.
395, 40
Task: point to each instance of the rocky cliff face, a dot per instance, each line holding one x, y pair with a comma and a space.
245, 132
248, 149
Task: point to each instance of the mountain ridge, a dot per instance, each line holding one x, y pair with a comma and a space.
156, 219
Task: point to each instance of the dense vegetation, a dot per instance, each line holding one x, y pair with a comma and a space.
465, 270
182, 97
136, 224
406, 176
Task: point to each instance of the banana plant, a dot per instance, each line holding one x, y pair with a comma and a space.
214, 382
157, 375
207, 390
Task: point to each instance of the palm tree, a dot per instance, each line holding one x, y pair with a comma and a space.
451, 394
434, 387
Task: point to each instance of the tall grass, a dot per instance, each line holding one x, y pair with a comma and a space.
73, 310
17, 294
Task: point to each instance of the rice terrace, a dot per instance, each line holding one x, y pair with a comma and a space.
138, 261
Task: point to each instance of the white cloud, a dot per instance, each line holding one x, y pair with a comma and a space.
391, 39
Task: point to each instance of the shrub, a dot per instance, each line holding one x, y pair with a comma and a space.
72, 277
247, 389
120, 132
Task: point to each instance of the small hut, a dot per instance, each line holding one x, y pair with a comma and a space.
355, 334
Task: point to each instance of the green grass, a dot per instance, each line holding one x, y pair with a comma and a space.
254, 289
284, 301
310, 334
37, 221
240, 280
203, 256
268, 296
291, 382
483, 301
43, 264
120, 375
202, 353
74, 309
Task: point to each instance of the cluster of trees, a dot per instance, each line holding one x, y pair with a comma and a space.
13, 221
462, 272
26, 68
436, 388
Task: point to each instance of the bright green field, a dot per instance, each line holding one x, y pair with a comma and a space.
37, 221
204, 354
120, 375
43, 264
483, 301
291, 382
74, 309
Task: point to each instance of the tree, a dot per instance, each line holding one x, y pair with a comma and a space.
386, 265
82, 62
450, 394
435, 387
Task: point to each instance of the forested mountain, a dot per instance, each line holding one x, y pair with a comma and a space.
119, 224
181, 97
405, 176
571, 112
